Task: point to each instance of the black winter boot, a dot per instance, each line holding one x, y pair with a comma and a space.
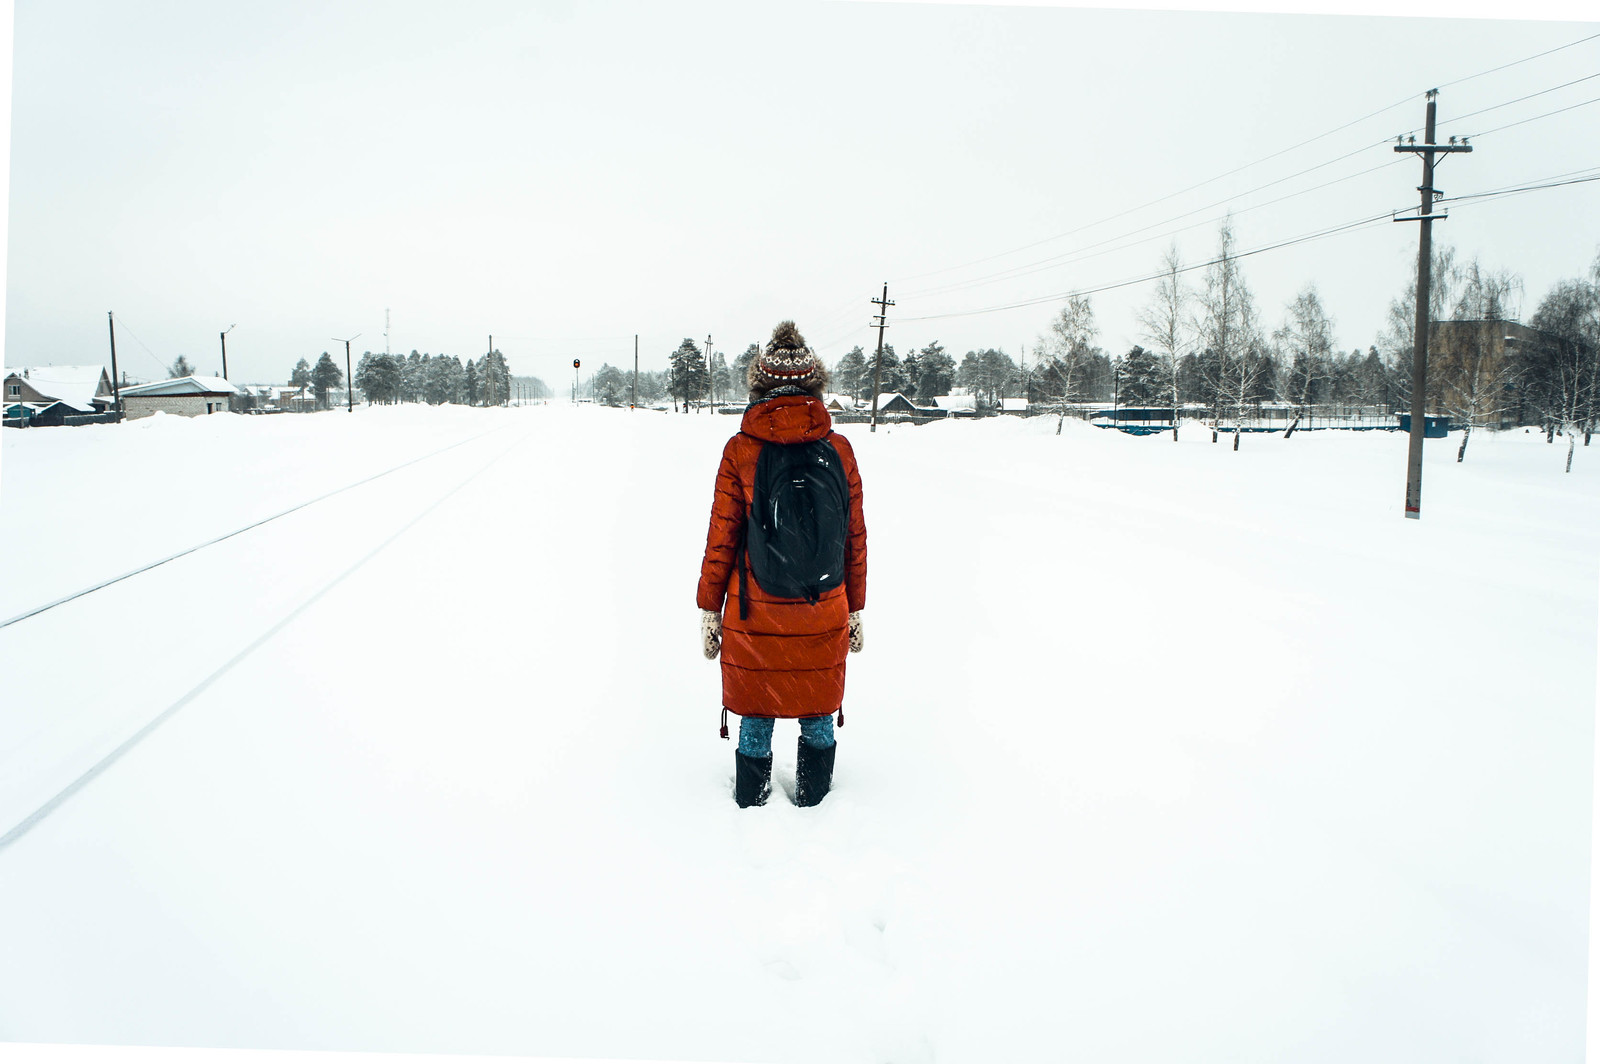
752, 779
813, 773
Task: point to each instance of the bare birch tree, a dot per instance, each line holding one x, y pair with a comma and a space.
1473, 371
1399, 335
1166, 324
1568, 320
1065, 353
1229, 330
1306, 340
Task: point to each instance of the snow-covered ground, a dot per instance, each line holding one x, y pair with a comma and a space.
1156, 751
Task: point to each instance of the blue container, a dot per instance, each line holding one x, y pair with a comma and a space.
1433, 427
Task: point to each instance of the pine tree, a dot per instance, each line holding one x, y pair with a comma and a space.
852, 376
721, 378
494, 380
325, 376
182, 367
300, 378
363, 378
936, 371
689, 375
740, 371
609, 385
891, 378
1143, 378
910, 373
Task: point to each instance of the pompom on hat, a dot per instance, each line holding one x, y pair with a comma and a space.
787, 362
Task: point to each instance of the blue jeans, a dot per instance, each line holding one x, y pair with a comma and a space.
755, 734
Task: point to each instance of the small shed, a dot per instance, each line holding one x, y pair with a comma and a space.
186, 396
1434, 427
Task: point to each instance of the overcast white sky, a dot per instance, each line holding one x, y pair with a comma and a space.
564, 176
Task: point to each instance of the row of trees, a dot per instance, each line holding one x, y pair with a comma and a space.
322, 378
438, 379
692, 376
1208, 345
921, 374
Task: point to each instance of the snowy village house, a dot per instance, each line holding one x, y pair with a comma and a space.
56, 395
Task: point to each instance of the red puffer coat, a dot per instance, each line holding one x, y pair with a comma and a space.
787, 658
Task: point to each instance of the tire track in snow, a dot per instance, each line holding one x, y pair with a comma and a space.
32, 819
229, 535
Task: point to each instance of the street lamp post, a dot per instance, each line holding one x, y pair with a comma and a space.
223, 336
349, 380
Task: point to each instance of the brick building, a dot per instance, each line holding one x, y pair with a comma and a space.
185, 396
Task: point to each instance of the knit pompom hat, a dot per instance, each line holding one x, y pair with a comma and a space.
787, 361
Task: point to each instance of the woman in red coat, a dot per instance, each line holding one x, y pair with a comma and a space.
781, 657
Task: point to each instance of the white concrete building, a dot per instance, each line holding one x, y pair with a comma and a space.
188, 396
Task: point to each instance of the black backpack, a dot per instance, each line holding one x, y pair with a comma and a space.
799, 518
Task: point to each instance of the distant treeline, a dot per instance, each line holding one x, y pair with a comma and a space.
1207, 344
436, 379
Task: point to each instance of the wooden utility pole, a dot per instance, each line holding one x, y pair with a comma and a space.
711, 375
877, 363
633, 401
224, 338
116, 389
349, 378
1419, 351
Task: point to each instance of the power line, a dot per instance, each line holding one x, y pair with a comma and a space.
1467, 199
1257, 162
1028, 268
1481, 197
1520, 99
1519, 62
1180, 192
1535, 118
1078, 256
1318, 235
122, 323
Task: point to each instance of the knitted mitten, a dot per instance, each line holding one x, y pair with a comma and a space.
710, 633
857, 637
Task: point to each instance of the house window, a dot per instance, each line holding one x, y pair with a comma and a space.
14, 390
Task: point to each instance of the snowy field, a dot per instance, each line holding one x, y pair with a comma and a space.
1156, 751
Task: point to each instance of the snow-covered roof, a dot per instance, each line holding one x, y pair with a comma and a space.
1014, 404
846, 402
956, 402
74, 385
184, 386
885, 397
